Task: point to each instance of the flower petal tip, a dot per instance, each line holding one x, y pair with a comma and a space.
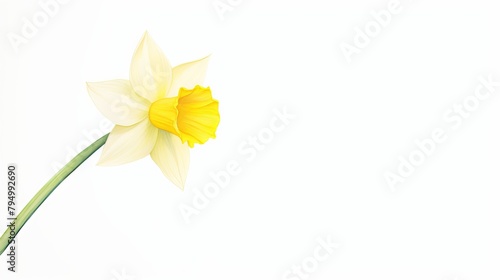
178, 182
146, 38
99, 163
88, 85
103, 161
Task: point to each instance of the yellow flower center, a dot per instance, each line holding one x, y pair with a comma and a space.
193, 115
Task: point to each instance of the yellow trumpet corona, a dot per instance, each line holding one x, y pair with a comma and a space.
193, 115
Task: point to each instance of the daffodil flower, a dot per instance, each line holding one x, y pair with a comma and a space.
160, 111
166, 111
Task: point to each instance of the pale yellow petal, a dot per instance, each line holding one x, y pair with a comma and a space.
129, 143
118, 102
172, 157
150, 71
188, 75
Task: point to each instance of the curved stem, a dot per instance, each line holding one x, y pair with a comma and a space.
46, 190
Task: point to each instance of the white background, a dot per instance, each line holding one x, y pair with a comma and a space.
322, 176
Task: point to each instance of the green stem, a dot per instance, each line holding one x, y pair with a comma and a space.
46, 190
